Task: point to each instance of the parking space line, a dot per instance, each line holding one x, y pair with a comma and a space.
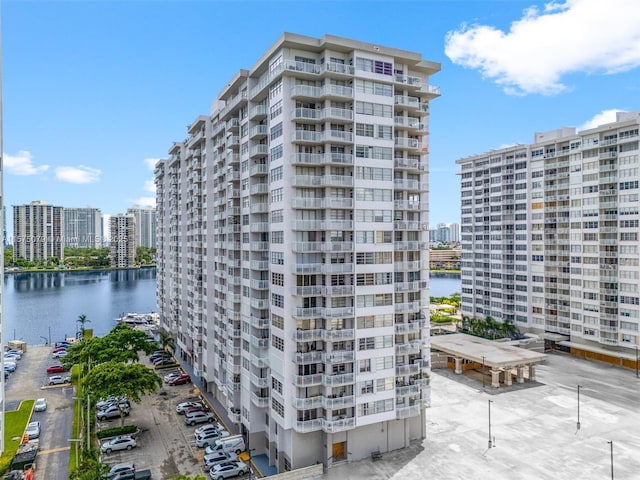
53, 450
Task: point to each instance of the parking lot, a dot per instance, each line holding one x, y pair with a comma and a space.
165, 445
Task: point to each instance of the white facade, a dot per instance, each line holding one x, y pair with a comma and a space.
145, 225
82, 227
550, 234
38, 231
122, 249
293, 249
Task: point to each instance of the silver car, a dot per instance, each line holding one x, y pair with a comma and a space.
59, 380
228, 470
33, 430
118, 443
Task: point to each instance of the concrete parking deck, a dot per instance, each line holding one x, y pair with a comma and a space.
534, 429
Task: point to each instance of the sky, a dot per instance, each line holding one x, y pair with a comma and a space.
94, 92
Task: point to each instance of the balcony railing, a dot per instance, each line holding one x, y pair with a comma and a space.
308, 380
406, 412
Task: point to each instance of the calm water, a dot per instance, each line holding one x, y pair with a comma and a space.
36, 303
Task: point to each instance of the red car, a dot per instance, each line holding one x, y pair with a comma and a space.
198, 408
180, 380
58, 350
56, 369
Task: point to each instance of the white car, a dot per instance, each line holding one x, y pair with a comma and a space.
40, 405
118, 443
217, 457
170, 376
228, 470
59, 380
207, 428
181, 408
60, 354
198, 417
33, 430
17, 353
209, 438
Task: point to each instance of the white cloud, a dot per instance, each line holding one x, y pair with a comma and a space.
144, 201
606, 116
151, 162
22, 164
79, 174
587, 36
150, 186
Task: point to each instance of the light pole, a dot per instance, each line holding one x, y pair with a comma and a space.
611, 443
491, 442
578, 424
482, 373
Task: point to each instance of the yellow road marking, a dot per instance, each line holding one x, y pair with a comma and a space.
53, 450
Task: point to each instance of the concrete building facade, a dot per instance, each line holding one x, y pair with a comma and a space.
82, 227
145, 225
550, 235
38, 232
293, 249
122, 248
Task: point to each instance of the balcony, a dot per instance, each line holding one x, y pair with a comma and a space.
337, 380
408, 390
308, 380
340, 356
309, 357
338, 425
339, 136
259, 361
308, 335
337, 312
310, 290
412, 369
308, 114
335, 335
259, 150
406, 412
322, 181
334, 113
407, 143
406, 205
258, 131
332, 403
259, 401
307, 136
405, 184
409, 80
307, 403
259, 342
337, 91
305, 426
322, 158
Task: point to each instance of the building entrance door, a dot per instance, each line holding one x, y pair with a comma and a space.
339, 451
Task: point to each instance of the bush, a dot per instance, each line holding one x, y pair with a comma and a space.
115, 431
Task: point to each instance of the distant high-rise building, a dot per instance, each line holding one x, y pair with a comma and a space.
554, 248
122, 249
38, 231
4, 225
82, 227
145, 225
454, 232
292, 249
106, 230
445, 233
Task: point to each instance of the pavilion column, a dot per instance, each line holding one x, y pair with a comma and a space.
495, 378
507, 377
520, 370
458, 367
532, 372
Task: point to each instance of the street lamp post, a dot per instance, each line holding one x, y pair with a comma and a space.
611, 443
578, 424
491, 442
482, 373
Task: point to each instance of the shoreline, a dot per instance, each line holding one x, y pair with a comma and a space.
74, 270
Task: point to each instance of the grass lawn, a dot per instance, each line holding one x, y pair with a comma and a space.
15, 424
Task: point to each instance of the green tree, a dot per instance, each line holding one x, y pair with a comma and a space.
90, 467
167, 340
129, 380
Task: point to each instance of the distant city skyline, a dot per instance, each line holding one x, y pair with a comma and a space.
88, 114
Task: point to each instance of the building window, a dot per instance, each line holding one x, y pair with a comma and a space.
277, 407
277, 342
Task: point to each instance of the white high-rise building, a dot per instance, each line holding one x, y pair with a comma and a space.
550, 236
293, 249
145, 225
82, 227
38, 232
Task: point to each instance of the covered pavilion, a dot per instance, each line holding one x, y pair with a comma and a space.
501, 359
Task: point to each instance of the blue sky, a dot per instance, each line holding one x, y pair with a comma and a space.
93, 91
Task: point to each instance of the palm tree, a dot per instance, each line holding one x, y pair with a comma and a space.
82, 319
167, 340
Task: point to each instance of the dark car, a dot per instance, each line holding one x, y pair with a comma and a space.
164, 361
181, 380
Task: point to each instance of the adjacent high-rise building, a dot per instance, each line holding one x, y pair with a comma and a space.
122, 248
293, 249
82, 227
38, 232
145, 225
550, 235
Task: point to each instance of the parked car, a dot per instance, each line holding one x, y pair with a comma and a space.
217, 457
156, 356
120, 468
208, 427
113, 401
56, 369
62, 343
111, 412
61, 354
118, 443
198, 417
59, 380
9, 366
208, 438
164, 361
233, 444
33, 430
170, 376
13, 355
40, 405
16, 352
184, 406
181, 380
228, 470
198, 408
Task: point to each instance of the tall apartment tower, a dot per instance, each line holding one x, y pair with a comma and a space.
82, 227
292, 249
145, 225
122, 249
550, 236
38, 231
